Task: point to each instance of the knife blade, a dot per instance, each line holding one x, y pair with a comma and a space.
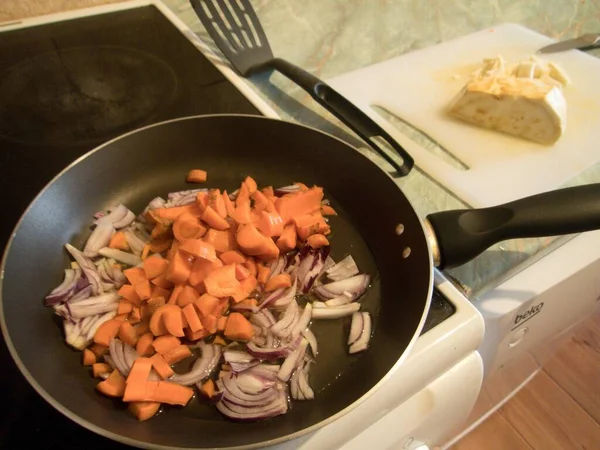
582, 42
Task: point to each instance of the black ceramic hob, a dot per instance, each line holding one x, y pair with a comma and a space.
65, 88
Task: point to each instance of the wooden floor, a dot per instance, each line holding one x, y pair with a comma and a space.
558, 409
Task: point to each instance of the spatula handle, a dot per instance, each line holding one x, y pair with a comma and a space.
347, 112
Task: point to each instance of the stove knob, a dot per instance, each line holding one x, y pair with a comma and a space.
518, 337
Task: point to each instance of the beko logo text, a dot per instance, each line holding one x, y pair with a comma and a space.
529, 314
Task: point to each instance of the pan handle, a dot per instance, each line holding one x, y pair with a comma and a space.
347, 112
463, 234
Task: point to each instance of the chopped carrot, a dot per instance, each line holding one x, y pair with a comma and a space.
155, 266
251, 184
162, 229
113, 386
232, 257
99, 369
135, 316
107, 332
223, 241
173, 250
157, 291
140, 370
143, 410
158, 391
221, 323
161, 367
206, 304
242, 213
283, 280
199, 249
98, 349
260, 201
125, 307
160, 245
251, 265
118, 241
327, 210
219, 341
177, 354
238, 328
216, 202
162, 282
308, 224
174, 212
201, 269
229, 205
288, 239
221, 307
128, 334
188, 226
191, 315
143, 289
268, 191
175, 294
263, 273
210, 323
145, 312
188, 295
202, 200
251, 240
317, 241
270, 224
167, 319
144, 345
145, 252
135, 275
241, 272
222, 282
299, 203
208, 389
142, 328
196, 335
121, 317
163, 344
247, 285
214, 220
179, 269
272, 251
196, 176
89, 358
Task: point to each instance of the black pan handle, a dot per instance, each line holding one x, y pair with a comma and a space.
463, 234
344, 110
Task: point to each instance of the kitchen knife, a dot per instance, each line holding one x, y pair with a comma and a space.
584, 41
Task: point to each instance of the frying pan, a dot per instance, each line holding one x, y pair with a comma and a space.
140, 165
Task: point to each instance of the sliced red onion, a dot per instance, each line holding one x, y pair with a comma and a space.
252, 384
66, 289
94, 305
335, 312
355, 286
155, 203
202, 367
271, 354
129, 355
181, 198
315, 269
121, 256
116, 214
103, 318
269, 315
73, 335
356, 327
340, 300
273, 296
141, 232
292, 361
286, 190
362, 342
303, 321
265, 369
125, 221
261, 341
294, 386
118, 277
286, 319
317, 304
303, 385
234, 194
82, 294
231, 384
135, 243
286, 297
99, 238
115, 349
346, 268
260, 319
312, 340
87, 323
277, 266
108, 360
89, 269
239, 360
243, 307
271, 409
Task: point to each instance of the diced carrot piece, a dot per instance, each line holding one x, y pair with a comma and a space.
327, 210
188, 295
308, 224
155, 266
238, 328
283, 280
251, 184
210, 323
167, 319
177, 354
270, 224
99, 369
98, 349
229, 205
221, 323
175, 294
214, 220
188, 226
144, 345
242, 213
251, 240
157, 291
161, 367
268, 191
135, 316
161, 230
201, 269
107, 332
145, 252
174, 212
145, 312
163, 344
288, 239
260, 201
142, 328
299, 203
251, 265
247, 285
89, 358
232, 257
162, 282
222, 282
241, 272
135, 275
192, 318
317, 241
263, 273
121, 317
113, 386
143, 410
208, 389
158, 391
272, 252
118, 241
199, 249
160, 245
173, 250
125, 307
206, 304
143, 289
140, 370
223, 241
221, 307
202, 200
219, 341
196, 176
179, 269
196, 335
128, 334
216, 202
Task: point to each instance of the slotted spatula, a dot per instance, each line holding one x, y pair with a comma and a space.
235, 28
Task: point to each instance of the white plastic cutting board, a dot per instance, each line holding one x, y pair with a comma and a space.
417, 87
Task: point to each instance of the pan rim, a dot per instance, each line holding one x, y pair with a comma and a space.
141, 444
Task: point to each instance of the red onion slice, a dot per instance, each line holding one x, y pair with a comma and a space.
286, 319
103, 318
303, 385
271, 354
292, 362
121, 256
181, 198
241, 398
277, 266
319, 305
260, 319
340, 300
108, 360
115, 349
303, 321
356, 327
312, 340
115, 215
125, 221
94, 305
99, 238
129, 355
135, 243
280, 191
252, 384
239, 360
66, 289
315, 269
335, 312
346, 268
362, 343
274, 408
86, 292
202, 367
294, 388
286, 298
355, 286
89, 269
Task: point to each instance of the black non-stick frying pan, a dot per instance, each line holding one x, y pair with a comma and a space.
153, 161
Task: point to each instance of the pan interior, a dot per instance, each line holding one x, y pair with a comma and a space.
149, 163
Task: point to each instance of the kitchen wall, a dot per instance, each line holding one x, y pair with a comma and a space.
19, 9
